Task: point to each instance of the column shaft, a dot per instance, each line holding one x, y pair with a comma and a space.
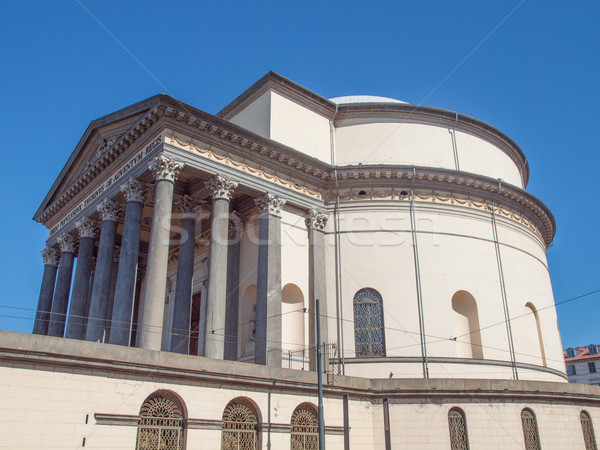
60, 302
112, 290
98, 320
268, 289
81, 285
126, 274
217, 282
233, 285
135, 316
202, 327
317, 288
165, 171
42, 315
180, 340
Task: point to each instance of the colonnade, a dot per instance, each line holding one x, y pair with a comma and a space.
104, 301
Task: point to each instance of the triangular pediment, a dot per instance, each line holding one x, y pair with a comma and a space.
98, 139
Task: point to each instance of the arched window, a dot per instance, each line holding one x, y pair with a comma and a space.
530, 430
305, 428
537, 331
588, 431
466, 326
457, 424
369, 336
161, 423
240, 426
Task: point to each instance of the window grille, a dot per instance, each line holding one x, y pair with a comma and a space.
530, 430
305, 429
161, 424
457, 423
588, 431
369, 333
240, 426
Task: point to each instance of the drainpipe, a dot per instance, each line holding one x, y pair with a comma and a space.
339, 308
511, 346
415, 244
454, 144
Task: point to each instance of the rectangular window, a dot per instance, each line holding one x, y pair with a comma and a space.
592, 367
570, 353
593, 350
571, 370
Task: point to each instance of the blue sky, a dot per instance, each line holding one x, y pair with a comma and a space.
529, 68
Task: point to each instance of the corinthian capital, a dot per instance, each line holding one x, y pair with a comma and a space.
315, 219
109, 210
50, 256
188, 206
87, 227
134, 190
164, 167
67, 243
270, 204
221, 187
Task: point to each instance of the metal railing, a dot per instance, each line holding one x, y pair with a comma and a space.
306, 359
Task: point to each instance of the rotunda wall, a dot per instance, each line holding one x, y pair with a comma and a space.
394, 141
456, 253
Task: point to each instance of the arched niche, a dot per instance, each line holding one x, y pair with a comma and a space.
292, 317
534, 331
247, 318
465, 318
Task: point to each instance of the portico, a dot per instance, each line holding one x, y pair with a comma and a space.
192, 233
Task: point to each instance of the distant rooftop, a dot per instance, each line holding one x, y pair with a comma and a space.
364, 99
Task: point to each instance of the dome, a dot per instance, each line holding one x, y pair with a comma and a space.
364, 99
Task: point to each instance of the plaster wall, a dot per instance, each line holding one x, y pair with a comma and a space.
277, 117
49, 409
456, 252
394, 141
256, 117
300, 128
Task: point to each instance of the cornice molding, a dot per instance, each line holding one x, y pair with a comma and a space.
109, 155
318, 178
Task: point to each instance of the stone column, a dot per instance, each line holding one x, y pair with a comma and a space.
67, 245
130, 247
268, 295
202, 327
135, 315
315, 223
236, 227
42, 315
81, 285
189, 208
166, 171
99, 318
221, 189
113, 286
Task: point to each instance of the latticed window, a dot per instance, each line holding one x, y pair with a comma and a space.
240, 426
530, 430
305, 428
369, 333
588, 431
457, 424
161, 423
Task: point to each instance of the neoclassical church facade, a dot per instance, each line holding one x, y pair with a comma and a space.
187, 251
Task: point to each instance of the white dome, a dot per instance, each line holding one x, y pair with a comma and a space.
364, 99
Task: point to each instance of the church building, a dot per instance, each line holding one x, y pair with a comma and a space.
190, 258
